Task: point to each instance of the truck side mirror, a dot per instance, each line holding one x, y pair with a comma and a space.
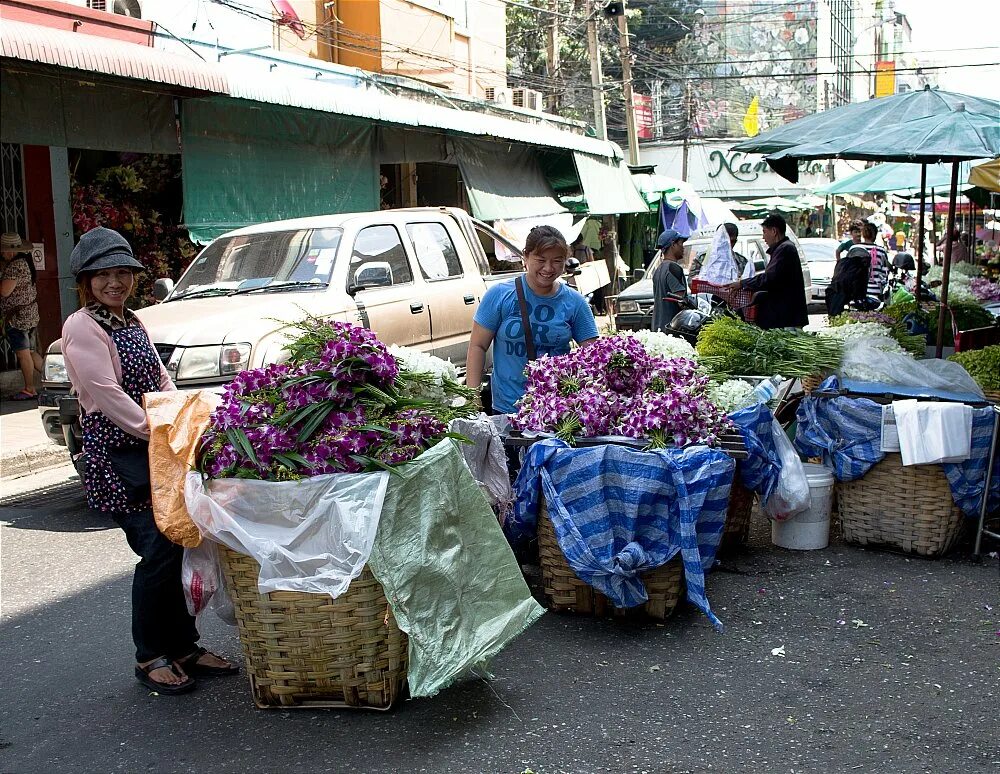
162, 288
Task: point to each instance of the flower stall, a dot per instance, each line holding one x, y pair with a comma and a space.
337, 498
636, 408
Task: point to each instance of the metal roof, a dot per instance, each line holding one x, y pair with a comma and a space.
371, 102
78, 51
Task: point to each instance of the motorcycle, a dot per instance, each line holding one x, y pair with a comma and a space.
700, 309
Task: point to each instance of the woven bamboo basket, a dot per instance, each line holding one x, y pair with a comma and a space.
909, 508
309, 650
737, 530
992, 395
811, 382
566, 592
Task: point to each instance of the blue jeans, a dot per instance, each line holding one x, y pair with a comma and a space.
161, 624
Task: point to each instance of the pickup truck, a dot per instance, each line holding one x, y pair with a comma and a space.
414, 276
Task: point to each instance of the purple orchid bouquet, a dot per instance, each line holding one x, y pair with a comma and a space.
613, 386
984, 290
341, 404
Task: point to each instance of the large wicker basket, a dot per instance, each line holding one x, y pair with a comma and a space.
909, 508
566, 592
309, 650
737, 530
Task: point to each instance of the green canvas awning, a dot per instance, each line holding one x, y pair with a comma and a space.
504, 181
607, 186
245, 163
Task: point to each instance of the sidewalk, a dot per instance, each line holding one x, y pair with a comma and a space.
24, 446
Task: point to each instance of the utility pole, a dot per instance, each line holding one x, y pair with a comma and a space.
687, 130
596, 78
626, 55
553, 56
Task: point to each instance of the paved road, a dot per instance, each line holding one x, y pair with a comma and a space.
891, 664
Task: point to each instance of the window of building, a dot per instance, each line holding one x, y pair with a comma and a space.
842, 49
436, 253
379, 258
12, 188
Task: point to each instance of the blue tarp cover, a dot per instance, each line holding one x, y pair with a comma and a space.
618, 512
846, 432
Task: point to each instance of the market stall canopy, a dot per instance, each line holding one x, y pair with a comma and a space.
717, 212
607, 186
959, 135
986, 176
874, 115
504, 181
893, 176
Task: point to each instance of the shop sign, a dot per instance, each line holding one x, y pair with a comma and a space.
643, 112
740, 166
885, 79
38, 255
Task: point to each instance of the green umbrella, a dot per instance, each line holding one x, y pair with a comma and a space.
892, 176
955, 136
858, 117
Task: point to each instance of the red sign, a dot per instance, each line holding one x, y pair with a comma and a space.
643, 109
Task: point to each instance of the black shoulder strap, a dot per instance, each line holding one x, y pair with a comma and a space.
529, 340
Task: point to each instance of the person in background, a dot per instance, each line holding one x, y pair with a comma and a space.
556, 315
741, 260
785, 305
854, 239
112, 364
878, 267
19, 307
669, 282
849, 281
960, 248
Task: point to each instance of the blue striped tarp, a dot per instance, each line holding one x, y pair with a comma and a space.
618, 512
761, 469
846, 432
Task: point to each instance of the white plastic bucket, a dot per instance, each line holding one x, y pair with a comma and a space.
809, 530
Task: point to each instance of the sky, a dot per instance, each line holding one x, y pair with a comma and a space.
954, 24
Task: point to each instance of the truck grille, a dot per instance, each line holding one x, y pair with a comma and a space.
165, 351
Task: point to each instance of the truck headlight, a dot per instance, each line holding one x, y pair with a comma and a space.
54, 369
207, 362
628, 307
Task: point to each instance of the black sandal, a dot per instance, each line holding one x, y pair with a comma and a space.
142, 675
190, 665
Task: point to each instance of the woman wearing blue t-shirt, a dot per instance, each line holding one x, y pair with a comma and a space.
556, 314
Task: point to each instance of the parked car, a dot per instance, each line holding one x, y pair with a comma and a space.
634, 307
820, 254
414, 276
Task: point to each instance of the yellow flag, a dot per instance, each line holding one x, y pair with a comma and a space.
751, 121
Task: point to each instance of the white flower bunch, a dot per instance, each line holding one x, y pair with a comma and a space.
854, 331
731, 395
959, 283
662, 345
437, 370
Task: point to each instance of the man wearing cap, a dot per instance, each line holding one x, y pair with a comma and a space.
669, 282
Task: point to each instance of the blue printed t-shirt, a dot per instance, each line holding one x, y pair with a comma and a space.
554, 321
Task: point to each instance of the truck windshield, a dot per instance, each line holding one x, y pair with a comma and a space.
298, 257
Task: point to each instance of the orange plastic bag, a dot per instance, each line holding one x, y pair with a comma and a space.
176, 422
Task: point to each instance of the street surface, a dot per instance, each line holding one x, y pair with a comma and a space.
890, 664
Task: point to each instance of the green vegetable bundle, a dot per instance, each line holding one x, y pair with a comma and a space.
983, 365
730, 347
968, 316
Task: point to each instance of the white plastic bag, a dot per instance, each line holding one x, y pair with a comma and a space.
791, 495
865, 360
201, 576
720, 266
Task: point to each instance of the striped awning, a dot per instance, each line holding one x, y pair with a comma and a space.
88, 53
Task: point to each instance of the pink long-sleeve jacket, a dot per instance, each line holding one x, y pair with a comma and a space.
95, 370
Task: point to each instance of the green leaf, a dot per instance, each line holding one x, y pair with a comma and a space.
371, 462
240, 442
315, 421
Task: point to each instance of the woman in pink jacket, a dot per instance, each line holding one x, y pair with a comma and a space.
112, 364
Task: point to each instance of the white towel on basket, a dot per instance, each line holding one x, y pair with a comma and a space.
932, 432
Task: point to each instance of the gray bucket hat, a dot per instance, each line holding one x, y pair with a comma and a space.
102, 248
